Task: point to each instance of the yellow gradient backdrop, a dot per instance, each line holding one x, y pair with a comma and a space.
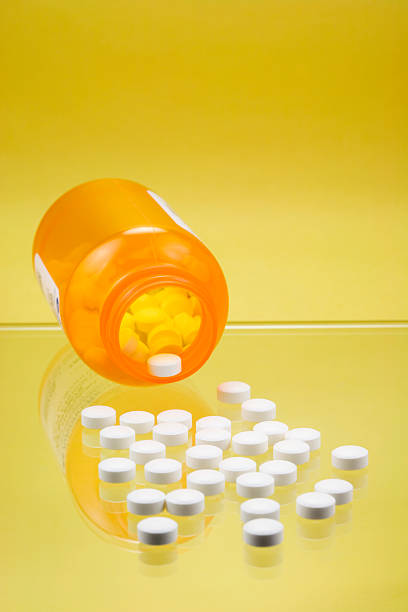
274, 128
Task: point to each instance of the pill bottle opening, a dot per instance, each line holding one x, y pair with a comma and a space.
158, 317
166, 319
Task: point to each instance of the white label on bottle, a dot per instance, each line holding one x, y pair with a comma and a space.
170, 212
48, 286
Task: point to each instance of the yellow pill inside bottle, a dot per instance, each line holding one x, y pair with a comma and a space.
176, 303
164, 338
128, 340
147, 318
147, 300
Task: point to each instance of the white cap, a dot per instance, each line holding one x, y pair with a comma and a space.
274, 430
295, 451
97, 417
213, 422
176, 416
315, 505
232, 467
145, 450
341, 490
259, 507
209, 482
306, 434
117, 469
203, 456
350, 457
145, 502
185, 502
139, 420
170, 434
263, 532
249, 443
258, 410
233, 392
284, 472
117, 437
157, 531
164, 365
216, 437
163, 471
255, 484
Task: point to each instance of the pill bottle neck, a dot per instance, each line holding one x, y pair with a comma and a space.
132, 286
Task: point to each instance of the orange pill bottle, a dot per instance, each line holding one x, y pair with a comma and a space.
127, 279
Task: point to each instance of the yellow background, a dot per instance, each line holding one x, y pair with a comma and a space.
274, 128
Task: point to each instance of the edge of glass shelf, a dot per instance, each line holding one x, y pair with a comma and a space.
243, 326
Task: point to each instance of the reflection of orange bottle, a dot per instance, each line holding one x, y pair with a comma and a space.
67, 387
109, 244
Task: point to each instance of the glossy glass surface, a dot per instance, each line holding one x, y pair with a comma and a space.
351, 384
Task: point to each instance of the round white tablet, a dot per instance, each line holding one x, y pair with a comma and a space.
350, 457
233, 392
157, 531
203, 456
163, 471
164, 365
258, 410
263, 532
306, 434
232, 467
315, 505
296, 451
117, 437
274, 430
255, 484
259, 507
140, 421
209, 482
341, 490
170, 434
249, 443
145, 450
284, 472
97, 417
213, 422
185, 502
176, 416
216, 437
145, 502
116, 470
